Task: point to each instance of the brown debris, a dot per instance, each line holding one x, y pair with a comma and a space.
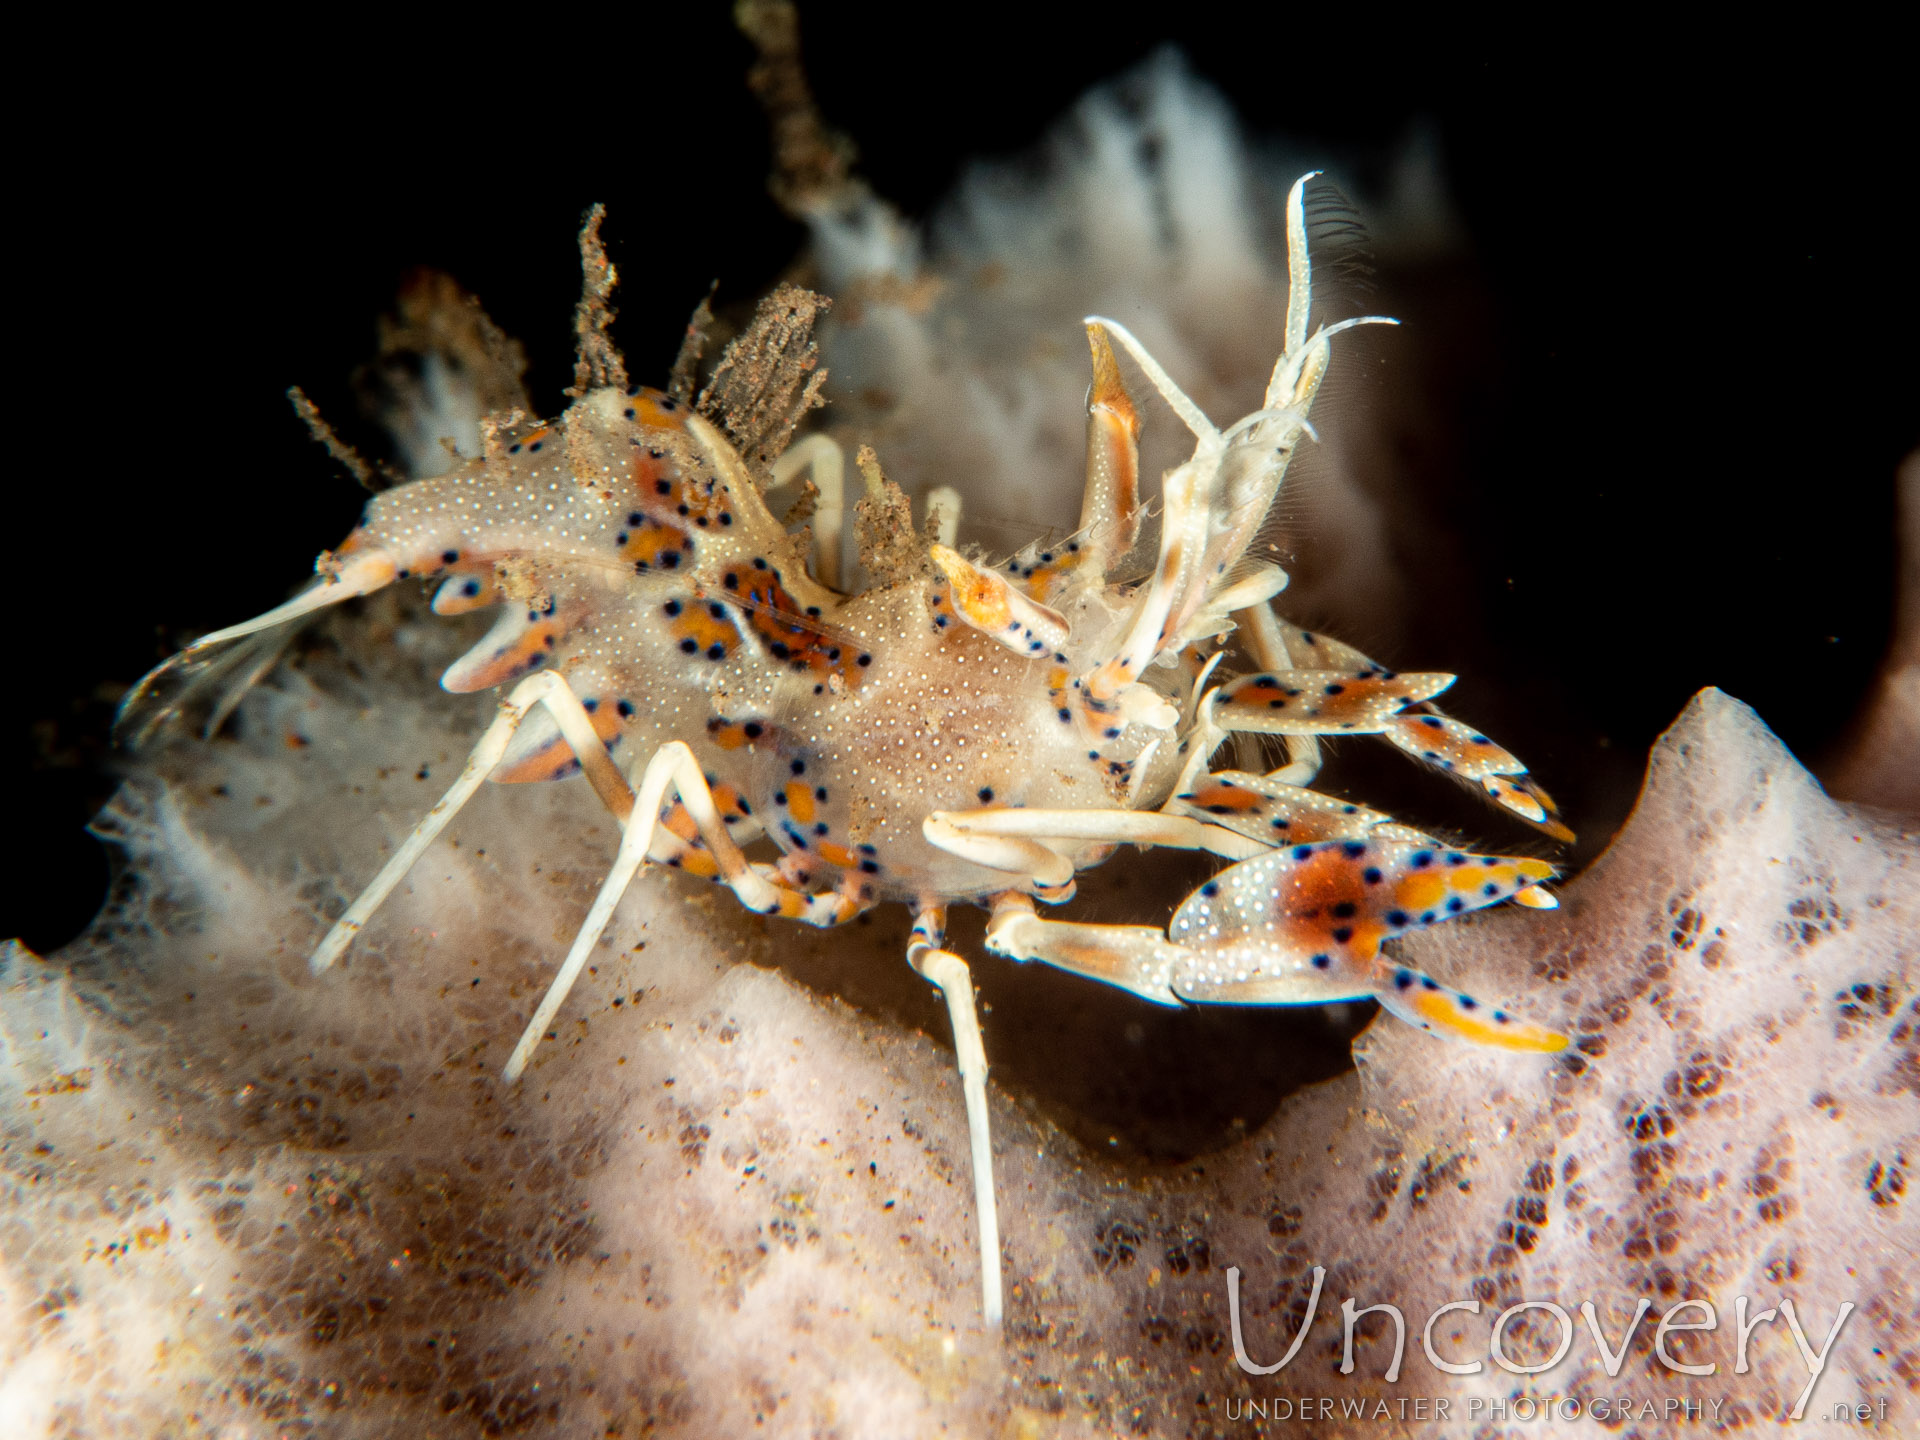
812, 164
883, 526
598, 365
769, 377
348, 458
437, 316
686, 365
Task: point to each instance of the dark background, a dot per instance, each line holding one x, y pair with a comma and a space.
1692, 267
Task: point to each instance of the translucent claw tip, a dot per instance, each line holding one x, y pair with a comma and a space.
1535, 898
1523, 795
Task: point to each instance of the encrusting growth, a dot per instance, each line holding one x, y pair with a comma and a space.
954, 732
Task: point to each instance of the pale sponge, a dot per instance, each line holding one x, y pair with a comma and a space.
239, 1196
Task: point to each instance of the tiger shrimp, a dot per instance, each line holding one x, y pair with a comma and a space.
956, 732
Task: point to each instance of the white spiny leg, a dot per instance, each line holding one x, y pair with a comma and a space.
1268, 647
1303, 762
547, 688
1048, 871
826, 463
672, 769
949, 972
1129, 957
943, 514
1113, 827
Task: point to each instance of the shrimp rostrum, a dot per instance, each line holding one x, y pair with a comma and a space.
956, 732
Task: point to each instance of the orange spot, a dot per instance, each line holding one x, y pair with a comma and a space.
1442, 1011
1421, 891
556, 757
727, 734
800, 801
651, 540
1306, 905
1257, 691
1044, 577
1229, 797
698, 622
514, 660
799, 641
1356, 697
836, 854
681, 823
454, 601
649, 410
980, 595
